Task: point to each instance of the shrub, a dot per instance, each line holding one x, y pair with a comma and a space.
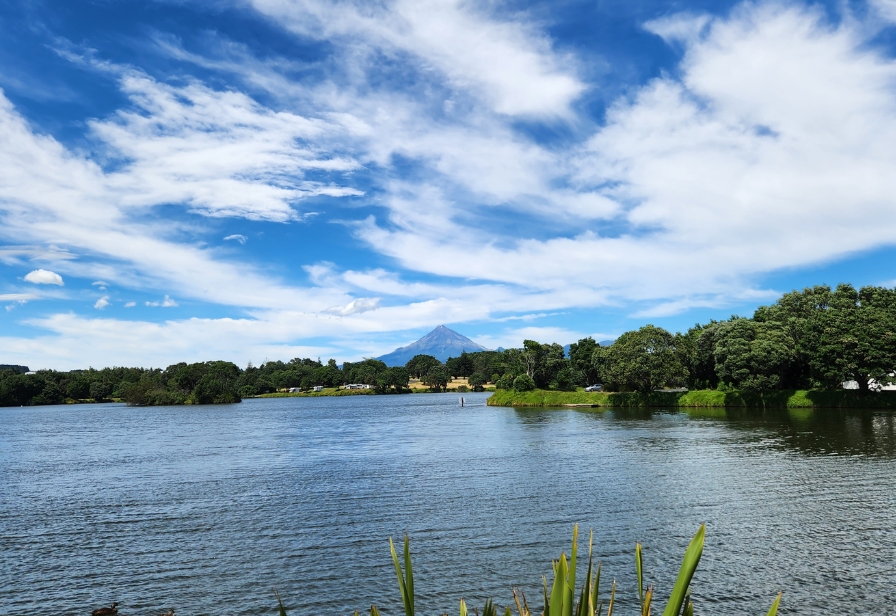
523, 382
504, 382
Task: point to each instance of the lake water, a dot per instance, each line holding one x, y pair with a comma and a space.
204, 509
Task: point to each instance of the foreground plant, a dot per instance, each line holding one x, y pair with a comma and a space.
561, 599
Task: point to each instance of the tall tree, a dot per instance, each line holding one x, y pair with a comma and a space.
752, 355
581, 355
641, 360
460, 366
794, 314
437, 378
419, 365
542, 361
854, 338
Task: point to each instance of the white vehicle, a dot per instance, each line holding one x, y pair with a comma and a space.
595, 387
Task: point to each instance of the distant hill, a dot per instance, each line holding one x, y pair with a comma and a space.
441, 343
14, 368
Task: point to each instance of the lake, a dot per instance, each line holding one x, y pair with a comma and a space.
206, 508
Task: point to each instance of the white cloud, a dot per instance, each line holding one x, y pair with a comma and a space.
508, 64
221, 153
885, 8
684, 28
771, 147
773, 150
362, 304
17, 255
130, 304
237, 237
42, 276
101, 302
165, 303
49, 193
17, 297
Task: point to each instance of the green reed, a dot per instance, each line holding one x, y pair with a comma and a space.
560, 597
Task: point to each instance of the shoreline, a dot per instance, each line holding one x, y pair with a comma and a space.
708, 398
329, 392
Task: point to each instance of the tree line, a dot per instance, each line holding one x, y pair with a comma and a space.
816, 338
210, 382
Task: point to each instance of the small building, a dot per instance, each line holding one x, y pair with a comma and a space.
318, 388
358, 386
294, 390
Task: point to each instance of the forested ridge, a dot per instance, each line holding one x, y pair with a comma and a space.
817, 338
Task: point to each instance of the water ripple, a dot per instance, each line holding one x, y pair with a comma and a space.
206, 508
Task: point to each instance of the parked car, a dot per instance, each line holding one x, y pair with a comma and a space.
595, 387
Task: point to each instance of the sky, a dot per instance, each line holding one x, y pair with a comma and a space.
257, 180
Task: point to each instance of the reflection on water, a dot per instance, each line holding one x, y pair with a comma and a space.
817, 431
206, 508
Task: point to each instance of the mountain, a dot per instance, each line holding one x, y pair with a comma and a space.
441, 343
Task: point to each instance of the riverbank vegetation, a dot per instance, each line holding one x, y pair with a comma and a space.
707, 398
562, 597
200, 383
812, 340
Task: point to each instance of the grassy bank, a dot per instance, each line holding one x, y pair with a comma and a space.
708, 398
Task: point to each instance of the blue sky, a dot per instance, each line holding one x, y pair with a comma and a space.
266, 179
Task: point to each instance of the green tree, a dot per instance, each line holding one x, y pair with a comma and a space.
542, 361
218, 385
854, 338
460, 366
365, 371
19, 389
437, 378
794, 313
78, 388
700, 348
581, 356
477, 381
263, 386
419, 365
505, 381
752, 355
393, 379
641, 360
566, 379
100, 390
